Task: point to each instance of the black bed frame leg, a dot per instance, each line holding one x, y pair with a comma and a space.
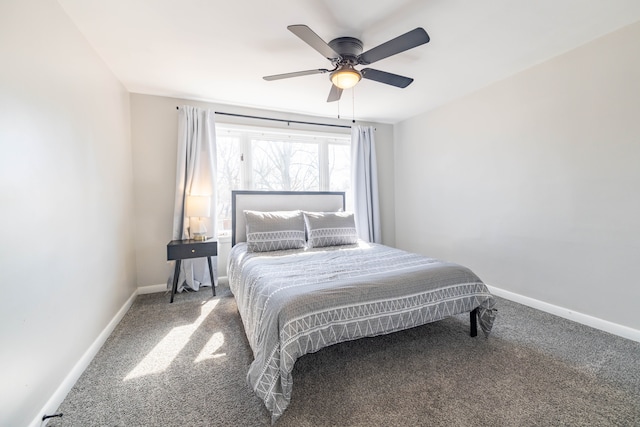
473, 317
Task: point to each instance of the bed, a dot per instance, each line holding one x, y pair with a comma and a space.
300, 288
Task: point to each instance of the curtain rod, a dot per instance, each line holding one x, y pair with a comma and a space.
279, 120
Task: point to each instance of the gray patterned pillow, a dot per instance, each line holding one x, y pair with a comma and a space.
274, 231
330, 229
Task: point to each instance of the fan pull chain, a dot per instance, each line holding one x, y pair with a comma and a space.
353, 104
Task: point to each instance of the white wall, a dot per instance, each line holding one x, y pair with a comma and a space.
534, 182
67, 256
154, 124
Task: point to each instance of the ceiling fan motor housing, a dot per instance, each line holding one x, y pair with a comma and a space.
348, 47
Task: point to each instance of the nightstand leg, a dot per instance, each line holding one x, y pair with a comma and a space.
176, 274
213, 285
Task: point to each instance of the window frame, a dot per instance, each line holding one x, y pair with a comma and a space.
322, 139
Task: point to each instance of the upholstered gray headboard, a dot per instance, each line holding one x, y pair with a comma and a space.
267, 201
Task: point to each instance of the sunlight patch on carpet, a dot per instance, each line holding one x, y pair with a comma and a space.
161, 356
210, 348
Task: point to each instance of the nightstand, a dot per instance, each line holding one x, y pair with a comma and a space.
177, 250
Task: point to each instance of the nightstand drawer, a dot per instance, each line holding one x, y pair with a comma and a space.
192, 249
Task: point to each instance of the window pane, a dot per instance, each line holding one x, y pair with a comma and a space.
340, 171
339, 167
284, 165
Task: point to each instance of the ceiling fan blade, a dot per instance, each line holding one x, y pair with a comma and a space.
401, 43
295, 74
334, 94
387, 78
312, 39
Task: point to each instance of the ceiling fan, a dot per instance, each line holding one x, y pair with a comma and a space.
346, 52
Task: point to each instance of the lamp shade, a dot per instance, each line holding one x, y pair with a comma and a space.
199, 206
346, 77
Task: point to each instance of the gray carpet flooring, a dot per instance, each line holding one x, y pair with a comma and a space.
184, 364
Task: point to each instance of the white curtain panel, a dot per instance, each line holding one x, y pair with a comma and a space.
364, 181
195, 175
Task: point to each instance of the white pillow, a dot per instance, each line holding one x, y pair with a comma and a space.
330, 229
274, 231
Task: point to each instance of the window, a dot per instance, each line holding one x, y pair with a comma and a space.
252, 158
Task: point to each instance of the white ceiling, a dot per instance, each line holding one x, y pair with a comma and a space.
218, 50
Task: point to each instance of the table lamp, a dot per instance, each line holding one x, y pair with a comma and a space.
198, 206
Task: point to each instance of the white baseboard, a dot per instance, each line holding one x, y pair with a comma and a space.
67, 384
585, 319
152, 289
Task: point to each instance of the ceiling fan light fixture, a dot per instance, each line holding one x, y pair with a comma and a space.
346, 77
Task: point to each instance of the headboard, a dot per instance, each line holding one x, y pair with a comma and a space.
267, 201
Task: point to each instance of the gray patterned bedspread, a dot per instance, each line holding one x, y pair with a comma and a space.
299, 301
